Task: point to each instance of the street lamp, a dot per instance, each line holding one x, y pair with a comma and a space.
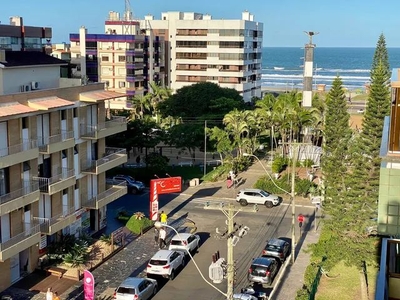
159, 225
291, 196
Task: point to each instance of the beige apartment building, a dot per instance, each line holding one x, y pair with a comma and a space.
53, 159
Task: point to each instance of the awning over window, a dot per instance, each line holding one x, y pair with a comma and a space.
96, 96
14, 108
46, 103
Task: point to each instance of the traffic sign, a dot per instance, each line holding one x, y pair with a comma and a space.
300, 218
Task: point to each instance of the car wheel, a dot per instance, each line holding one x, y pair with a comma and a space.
172, 276
134, 191
243, 202
268, 204
155, 290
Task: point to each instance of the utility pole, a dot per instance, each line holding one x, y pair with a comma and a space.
294, 159
230, 212
205, 147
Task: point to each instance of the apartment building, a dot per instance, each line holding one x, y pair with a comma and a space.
18, 37
124, 58
226, 52
388, 284
53, 159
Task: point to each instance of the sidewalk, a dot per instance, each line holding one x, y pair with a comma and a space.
293, 279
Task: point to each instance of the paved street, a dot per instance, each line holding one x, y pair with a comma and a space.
264, 224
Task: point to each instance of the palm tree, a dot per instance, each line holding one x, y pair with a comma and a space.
141, 104
237, 124
157, 95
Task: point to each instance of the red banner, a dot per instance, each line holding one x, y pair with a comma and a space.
161, 186
88, 285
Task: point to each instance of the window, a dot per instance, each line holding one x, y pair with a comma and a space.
65, 191
75, 149
121, 84
78, 56
75, 112
121, 58
63, 154
24, 122
26, 166
105, 58
63, 114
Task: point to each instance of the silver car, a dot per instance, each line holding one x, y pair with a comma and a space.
136, 288
190, 242
257, 196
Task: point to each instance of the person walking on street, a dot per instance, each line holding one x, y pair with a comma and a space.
163, 217
49, 294
56, 297
156, 236
162, 236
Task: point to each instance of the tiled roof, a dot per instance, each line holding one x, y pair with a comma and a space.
14, 108
46, 103
30, 58
95, 96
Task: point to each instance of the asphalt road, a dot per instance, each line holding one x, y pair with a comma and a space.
264, 224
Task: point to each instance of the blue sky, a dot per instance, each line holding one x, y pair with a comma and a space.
340, 23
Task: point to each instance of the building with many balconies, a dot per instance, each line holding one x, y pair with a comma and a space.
124, 58
226, 52
53, 159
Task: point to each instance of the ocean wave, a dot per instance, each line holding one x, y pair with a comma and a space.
319, 77
321, 70
300, 85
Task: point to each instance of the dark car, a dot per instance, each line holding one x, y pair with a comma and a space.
277, 248
263, 270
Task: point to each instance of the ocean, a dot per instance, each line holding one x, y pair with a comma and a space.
283, 67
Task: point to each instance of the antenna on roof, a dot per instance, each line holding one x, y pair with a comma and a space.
128, 11
311, 34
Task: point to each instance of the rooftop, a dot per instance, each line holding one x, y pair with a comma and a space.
28, 58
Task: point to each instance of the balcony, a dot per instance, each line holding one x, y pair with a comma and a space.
110, 127
19, 198
57, 142
19, 153
20, 242
106, 197
113, 158
54, 224
64, 179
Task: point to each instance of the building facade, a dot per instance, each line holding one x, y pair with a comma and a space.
53, 159
124, 58
18, 37
226, 52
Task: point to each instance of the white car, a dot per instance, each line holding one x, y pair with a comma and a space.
166, 263
136, 288
190, 242
257, 196
360, 111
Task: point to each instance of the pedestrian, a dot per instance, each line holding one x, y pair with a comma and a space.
138, 159
49, 294
56, 297
161, 237
156, 235
228, 182
163, 218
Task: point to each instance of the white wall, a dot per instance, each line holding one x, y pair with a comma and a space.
12, 78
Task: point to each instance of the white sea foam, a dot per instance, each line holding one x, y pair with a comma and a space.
322, 77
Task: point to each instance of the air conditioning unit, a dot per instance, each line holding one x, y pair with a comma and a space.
25, 88
34, 85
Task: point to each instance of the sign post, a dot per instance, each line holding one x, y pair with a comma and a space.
161, 186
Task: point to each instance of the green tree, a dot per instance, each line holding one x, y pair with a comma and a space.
141, 104
223, 144
157, 95
237, 124
381, 56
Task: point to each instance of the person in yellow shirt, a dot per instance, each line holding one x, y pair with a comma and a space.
56, 297
163, 217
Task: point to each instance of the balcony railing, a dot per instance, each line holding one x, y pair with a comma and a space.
35, 228
45, 183
24, 146
115, 191
46, 223
30, 187
64, 135
110, 155
91, 130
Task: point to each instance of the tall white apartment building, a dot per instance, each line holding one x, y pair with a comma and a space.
226, 52
53, 159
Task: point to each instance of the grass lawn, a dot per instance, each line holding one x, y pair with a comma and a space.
346, 286
360, 97
187, 172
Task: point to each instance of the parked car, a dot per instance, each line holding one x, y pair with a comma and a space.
166, 263
257, 196
244, 297
134, 186
190, 242
263, 270
136, 288
277, 248
360, 111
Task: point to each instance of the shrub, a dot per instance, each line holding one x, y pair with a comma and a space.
218, 173
307, 163
137, 225
279, 164
106, 238
241, 163
303, 186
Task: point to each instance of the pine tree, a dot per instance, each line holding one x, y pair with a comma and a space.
337, 133
381, 56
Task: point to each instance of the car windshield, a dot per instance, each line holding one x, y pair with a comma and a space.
176, 242
130, 178
258, 270
158, 262
264, 193
125, 290
272, 248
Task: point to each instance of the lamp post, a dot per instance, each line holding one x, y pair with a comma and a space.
291, 196
159, 225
